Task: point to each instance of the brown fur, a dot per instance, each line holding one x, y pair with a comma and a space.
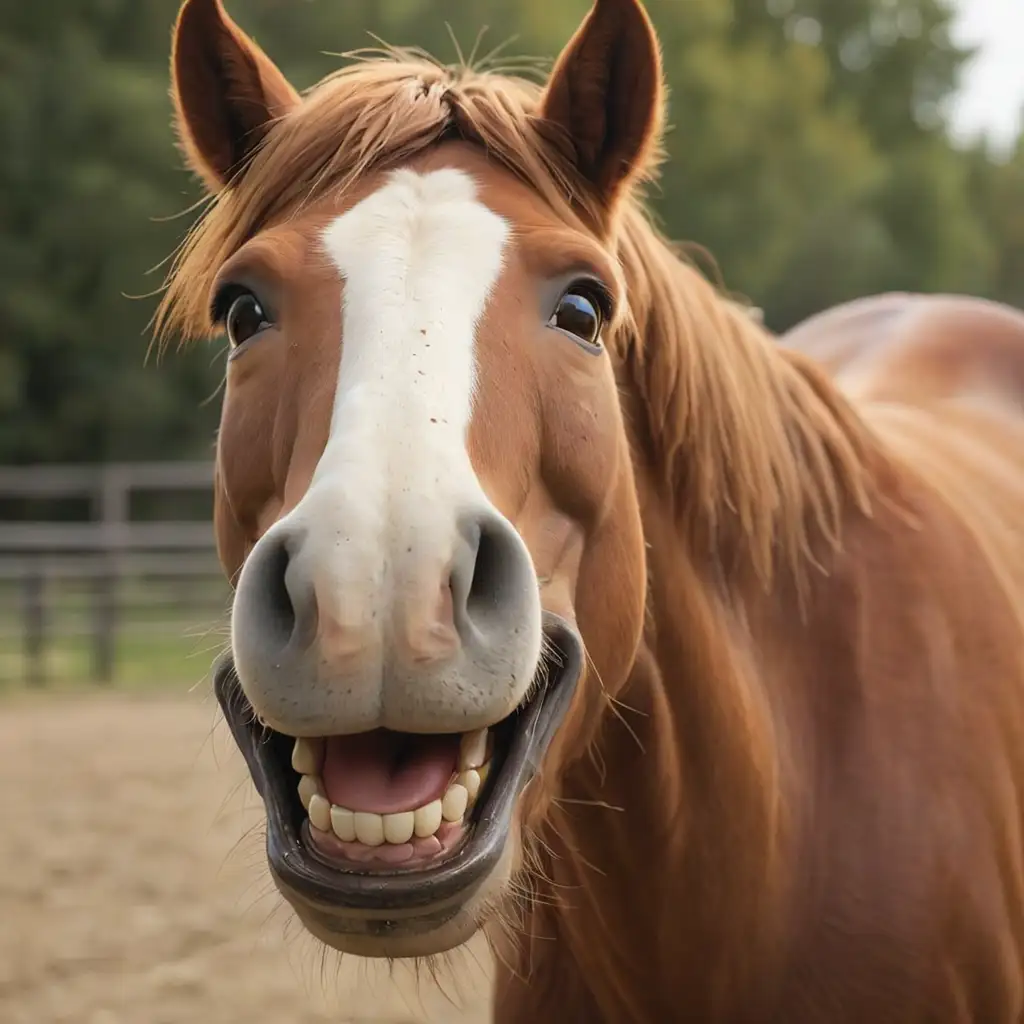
791, 793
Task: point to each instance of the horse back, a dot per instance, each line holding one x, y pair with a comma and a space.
940, 380
934, 678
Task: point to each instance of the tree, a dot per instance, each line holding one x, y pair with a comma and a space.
996, 189
83, 172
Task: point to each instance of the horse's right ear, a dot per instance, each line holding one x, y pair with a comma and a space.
605, 98
227, 92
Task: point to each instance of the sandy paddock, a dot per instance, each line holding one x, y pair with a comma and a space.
127, 896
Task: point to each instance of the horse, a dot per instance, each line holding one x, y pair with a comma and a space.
571, 604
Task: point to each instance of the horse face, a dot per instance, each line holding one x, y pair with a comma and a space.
425, 490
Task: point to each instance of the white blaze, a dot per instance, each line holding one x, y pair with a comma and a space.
418, 258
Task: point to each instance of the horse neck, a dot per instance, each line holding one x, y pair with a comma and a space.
747, 465
668, 844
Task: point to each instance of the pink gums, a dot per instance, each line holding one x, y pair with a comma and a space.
417, 851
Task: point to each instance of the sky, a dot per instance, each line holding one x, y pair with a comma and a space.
992, 90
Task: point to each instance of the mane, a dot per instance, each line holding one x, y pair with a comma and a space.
753, 442
742, 431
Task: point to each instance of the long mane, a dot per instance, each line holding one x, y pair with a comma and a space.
750, 441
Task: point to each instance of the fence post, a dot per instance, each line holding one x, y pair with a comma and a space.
34, 612
113, 512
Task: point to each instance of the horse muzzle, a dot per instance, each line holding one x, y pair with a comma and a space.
422, 904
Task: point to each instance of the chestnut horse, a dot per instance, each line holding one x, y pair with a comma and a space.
569, 603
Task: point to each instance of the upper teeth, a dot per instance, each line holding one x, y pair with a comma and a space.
307, 756
473, 749
375, 829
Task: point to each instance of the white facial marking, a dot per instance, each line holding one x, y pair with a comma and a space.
419, 258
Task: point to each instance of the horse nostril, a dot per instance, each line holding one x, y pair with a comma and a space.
488, 575
277, 599
280, 608
484, 591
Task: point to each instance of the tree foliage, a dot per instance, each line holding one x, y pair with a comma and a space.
808, 153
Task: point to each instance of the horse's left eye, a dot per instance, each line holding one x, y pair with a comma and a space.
245, 319
579, 315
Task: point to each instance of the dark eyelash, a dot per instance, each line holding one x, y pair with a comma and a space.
221, 303
598, 292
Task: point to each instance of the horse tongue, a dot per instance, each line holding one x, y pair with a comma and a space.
386, 772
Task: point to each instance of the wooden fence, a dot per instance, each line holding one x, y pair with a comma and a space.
106, 554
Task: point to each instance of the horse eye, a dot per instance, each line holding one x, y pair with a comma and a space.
579, 315
245, 318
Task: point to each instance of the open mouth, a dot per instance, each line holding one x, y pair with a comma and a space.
389, 833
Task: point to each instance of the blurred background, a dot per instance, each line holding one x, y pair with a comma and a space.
819, 150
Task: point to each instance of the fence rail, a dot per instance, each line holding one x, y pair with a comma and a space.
103, 538
75, 480
89, 578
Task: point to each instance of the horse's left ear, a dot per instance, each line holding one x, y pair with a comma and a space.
605, 98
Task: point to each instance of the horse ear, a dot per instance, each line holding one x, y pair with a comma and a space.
226, 90
605, 97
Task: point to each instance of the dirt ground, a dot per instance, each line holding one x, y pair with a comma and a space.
127, 897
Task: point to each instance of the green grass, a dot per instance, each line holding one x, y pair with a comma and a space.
167, 636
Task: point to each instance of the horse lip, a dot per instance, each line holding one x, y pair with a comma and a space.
381, 901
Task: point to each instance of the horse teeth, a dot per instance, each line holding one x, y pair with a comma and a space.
427, 819
473, 749
343, 824
320, 812
471, 780
310, 786
308, 755
369, 828
398, 828
454, 803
